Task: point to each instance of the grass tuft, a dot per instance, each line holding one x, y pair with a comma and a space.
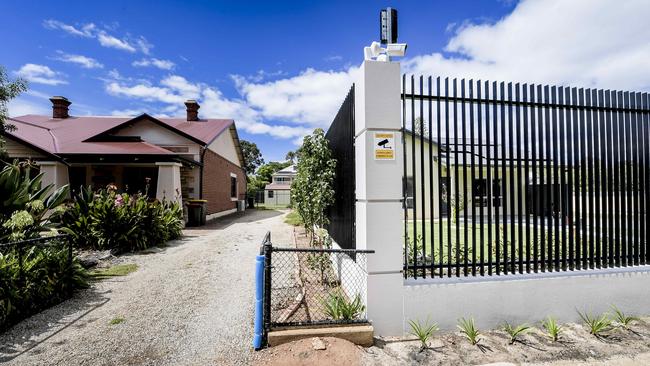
622, 320
598, 325
114, 271
118, 320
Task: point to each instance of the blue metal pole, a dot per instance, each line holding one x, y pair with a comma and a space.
259, 302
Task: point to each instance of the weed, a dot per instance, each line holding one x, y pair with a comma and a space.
338, 307
118, 320
623, 320
553, 329
468, 329
114, 271
598, 325
515, 332
423, 331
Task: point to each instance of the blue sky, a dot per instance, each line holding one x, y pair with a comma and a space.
282, 68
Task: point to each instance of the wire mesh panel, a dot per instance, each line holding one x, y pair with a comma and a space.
314, 286
510, 178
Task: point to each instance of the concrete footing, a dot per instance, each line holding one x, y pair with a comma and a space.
361, 335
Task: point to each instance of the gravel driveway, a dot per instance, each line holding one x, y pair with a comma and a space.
190, 303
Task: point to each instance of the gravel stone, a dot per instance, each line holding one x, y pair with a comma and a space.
190, 303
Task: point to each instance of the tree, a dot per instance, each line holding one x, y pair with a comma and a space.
266, 171
291, 156
312, 191
252, 156
8, 91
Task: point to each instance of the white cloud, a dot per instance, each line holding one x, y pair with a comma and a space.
174, 90
85, 30
21, 107
310, 98
161, 64
107, 40
83, 61
589, 43
40, 74
144, 46
126, 112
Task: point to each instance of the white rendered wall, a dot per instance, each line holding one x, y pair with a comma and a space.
54, 173
169, 182
526, 298
225, 146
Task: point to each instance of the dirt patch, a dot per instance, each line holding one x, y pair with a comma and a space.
575, 347
310, 352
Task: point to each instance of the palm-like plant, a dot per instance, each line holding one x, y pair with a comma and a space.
468, 328
423, 331
553, 329
598, 325
515, 331
621, 319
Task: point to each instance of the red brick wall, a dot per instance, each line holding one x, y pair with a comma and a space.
216, 182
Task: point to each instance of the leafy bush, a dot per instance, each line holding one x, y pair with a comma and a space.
46, 280
108, 220
338, 307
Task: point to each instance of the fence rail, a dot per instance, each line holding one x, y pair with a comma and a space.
503, 178
310, 286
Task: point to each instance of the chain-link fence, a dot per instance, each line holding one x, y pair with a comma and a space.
315, 286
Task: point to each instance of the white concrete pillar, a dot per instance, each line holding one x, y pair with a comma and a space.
169, 182
55, 173
379, 213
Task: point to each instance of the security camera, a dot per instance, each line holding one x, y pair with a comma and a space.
396, 49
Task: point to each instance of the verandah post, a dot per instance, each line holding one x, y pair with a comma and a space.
378, 178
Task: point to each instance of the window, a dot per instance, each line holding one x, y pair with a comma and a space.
233, 187
479, 192
270, 194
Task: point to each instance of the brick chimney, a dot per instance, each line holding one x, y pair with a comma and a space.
192, 110
60, 107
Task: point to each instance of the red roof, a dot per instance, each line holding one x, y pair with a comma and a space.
70, 135
278, 187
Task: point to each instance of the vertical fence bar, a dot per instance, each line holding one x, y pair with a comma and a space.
423, 195
439, 137
464, 199
618, 248
471, 176
602, 178
69, 285
646, 160
527, 196
628, 179
490, 193
577, 162
431, 212
542, 181
517, 181
590, 177
624, 180
456, 203
563, 186
268, 252
404, 178
596, 185
479, 116
548, 206
511, 178
448, 180
635, 178
414, 180
534, 194
609, 180
496, 188
555, 198
570, 139
503, 181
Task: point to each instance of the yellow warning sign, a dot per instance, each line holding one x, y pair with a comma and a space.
384, 146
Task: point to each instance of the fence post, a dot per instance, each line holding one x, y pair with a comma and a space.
70, 270
378, 179
268, 250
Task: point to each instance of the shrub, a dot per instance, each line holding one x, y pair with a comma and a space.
123, 222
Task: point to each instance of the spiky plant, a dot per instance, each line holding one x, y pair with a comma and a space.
622, 320
469, 330
598, 325
423, 331
515, 331
553, 329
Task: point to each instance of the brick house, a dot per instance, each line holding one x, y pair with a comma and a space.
168, 158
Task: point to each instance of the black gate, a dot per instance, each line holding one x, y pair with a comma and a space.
543, 178
341, 141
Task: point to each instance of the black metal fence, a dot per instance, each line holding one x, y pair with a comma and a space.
308, 286
341, 214
503, 179
22, 246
